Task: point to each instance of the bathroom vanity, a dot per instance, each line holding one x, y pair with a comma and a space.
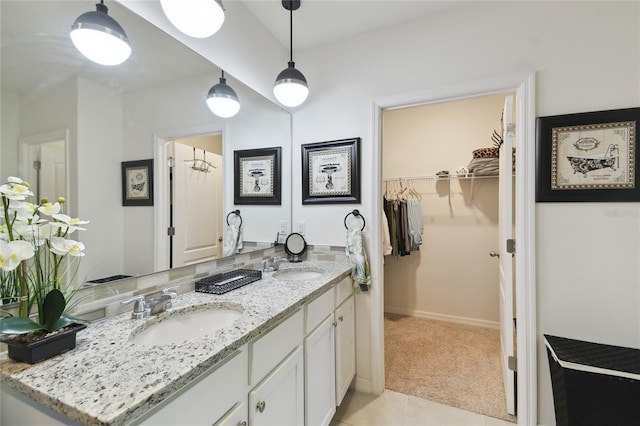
287, 359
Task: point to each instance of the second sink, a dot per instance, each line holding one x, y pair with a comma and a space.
297, 274
182, 327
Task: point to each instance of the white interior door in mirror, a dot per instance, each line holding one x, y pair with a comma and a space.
197, 205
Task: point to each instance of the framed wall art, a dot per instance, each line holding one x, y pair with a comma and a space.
137, 183
257, 176
589, 156
331, 172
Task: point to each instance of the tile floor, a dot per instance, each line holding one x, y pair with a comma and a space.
396, 409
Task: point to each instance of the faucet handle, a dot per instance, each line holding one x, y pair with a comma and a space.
139, 309
171, 291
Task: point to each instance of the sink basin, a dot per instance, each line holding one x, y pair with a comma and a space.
297, 274
182, 327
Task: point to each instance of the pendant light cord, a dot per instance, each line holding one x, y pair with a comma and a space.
291, 34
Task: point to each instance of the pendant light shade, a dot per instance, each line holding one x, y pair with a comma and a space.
291, 88
100, 38
195, 18
222, 99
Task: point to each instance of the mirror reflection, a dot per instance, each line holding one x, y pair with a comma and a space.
68, 124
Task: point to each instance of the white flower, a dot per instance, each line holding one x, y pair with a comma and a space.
71, 223
49, 209
14, 252
15, 189
62, 247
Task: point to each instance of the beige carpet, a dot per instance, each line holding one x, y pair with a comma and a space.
453, 364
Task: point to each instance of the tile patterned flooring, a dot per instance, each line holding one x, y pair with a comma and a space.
396, 409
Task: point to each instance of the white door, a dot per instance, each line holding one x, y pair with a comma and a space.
345, 347
197, 207
506, 262
53, 181
320, 368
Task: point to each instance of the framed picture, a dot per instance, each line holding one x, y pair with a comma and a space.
331, 172
137, 183
257, 176
590, 156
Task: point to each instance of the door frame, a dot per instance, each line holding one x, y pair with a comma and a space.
161, 185
525, 305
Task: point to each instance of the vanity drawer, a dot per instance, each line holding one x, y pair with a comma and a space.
344, 289
269, 350
317, 310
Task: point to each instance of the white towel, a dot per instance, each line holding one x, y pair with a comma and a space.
360, 272
232, 243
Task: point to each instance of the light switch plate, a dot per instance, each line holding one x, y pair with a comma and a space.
300, 227
283, 227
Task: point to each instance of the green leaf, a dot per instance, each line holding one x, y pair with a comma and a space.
63, 321
18, 325
52, 309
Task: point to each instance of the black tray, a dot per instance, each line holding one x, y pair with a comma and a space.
223, 283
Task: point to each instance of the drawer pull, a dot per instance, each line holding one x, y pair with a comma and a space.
335, 324
260, 406
242, 423
341, 318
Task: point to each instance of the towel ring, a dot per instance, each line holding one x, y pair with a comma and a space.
356, 213
237, 213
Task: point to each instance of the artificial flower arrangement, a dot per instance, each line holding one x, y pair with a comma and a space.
38, 263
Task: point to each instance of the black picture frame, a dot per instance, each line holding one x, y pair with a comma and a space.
331, 172
137, 183
257, 176
588, 157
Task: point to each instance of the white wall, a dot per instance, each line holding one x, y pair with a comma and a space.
100, 146
577, 70
9, 133
460, 215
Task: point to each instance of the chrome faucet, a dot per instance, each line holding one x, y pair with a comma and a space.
270, 265
160, 304
140, 309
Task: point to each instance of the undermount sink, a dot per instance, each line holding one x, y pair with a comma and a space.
182, 327
297, 274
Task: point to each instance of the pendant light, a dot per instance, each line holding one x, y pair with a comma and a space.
291, 87
195, 18
100, 38
222, 99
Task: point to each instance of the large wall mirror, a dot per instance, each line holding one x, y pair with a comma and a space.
85, 119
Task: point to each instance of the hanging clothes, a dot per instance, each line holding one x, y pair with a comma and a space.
416, 226
387, 249
403, 212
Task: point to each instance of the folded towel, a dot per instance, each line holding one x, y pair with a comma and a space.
232, 243
360, 272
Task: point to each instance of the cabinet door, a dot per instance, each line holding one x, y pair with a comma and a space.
236, 417
319, 366
279, 399
345, 347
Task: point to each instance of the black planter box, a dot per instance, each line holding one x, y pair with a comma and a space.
45, 348
594, 384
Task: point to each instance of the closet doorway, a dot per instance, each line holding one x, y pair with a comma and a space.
442, 297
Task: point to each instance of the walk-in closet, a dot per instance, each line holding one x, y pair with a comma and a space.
442, 261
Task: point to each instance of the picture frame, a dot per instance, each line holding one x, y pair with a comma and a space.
137, 183
588, 157
257, 176
331, 172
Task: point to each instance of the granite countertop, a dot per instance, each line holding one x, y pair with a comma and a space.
108, 380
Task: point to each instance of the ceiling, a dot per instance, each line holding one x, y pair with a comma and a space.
319, 22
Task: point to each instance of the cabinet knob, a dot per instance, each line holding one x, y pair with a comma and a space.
242, 423
260, 406
335, 324
341, 318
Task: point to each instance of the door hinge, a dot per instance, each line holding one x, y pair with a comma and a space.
513, 363
171, 231
511, 246
511, 129
171, 162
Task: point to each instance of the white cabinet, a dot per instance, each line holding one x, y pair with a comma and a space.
279, 399
329, 352
319, 359
345, 347
210, 399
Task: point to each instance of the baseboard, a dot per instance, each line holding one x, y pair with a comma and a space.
362, 385
443, 317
